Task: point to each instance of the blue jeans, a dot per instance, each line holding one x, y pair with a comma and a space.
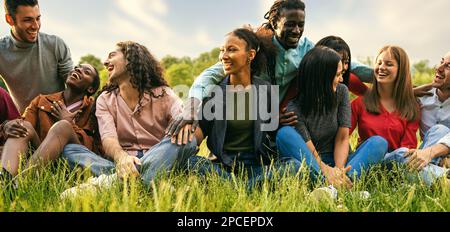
163, 157
430, 173
291, 145
256, 172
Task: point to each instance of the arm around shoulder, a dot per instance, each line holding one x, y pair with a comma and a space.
210, 77
364, 72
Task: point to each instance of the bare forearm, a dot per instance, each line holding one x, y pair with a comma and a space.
438, 150
341, 154
313, 150
341, 146
113, 149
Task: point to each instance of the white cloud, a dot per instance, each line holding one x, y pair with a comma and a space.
147, 13
265, 6
420, 27
82, 38
127, 30
202, 37
416, 26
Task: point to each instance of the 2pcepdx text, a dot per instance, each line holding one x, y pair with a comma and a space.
225, 222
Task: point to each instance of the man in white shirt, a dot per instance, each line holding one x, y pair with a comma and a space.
431, 158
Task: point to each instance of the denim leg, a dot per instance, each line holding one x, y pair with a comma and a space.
257, 174
165, 156
79, 155
203, 167
433, 135
369, 153
430, 173
291, 145
396, 155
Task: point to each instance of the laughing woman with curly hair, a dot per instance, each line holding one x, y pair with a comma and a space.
133, 112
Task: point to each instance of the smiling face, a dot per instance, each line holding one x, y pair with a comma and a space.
289, 28
386, 68
116, 65
442, 78
27, 23
234, 55
82, 78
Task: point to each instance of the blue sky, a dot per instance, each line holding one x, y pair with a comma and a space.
190, 27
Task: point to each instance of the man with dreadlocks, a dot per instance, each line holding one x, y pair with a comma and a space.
133, 111
284, 28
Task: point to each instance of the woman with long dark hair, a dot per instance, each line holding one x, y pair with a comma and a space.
237, 139
353, 82
321, 137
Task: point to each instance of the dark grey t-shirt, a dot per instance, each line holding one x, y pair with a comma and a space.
321, 130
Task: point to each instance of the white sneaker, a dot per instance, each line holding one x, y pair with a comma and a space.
329, 192
103, 181
364, 195
91, 186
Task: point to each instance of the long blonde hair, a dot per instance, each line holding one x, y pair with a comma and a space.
405, 102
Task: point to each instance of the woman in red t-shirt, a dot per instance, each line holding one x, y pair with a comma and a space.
389, 109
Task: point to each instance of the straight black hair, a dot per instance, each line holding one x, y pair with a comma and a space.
315, 81
339, 45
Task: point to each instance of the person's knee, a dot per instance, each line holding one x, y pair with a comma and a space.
396, 155
28, 125
284, 133
379, 143
61, 128
31, 131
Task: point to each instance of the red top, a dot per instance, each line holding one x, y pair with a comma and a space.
391, 126
356, 86
8, 110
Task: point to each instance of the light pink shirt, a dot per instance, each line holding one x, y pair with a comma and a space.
141, 128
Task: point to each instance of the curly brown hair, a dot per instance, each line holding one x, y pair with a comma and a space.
145, 71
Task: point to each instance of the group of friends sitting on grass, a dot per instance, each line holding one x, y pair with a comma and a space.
275, 102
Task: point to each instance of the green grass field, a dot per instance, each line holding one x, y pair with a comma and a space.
390, 192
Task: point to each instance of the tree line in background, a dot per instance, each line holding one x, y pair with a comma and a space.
184, 70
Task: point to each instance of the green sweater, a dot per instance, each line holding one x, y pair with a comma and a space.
30, 69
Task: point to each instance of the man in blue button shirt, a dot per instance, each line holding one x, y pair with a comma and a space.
286, 22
